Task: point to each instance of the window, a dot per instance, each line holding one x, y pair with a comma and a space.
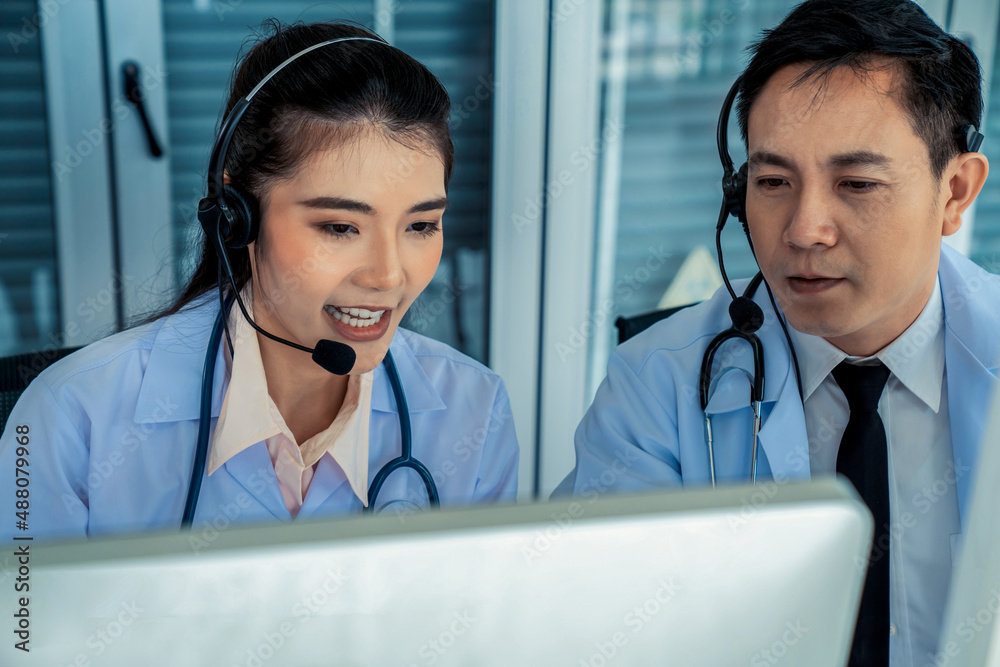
28, 295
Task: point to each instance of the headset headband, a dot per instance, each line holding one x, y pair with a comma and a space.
217, 162
722, 128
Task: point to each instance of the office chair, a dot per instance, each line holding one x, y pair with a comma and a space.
17, 372
630, 326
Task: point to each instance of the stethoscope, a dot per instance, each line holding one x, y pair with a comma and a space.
404, 460
746, 315
230, 218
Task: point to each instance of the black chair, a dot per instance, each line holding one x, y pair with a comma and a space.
630, 326
17, 372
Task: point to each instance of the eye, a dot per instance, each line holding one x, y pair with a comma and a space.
425, 228
338, 229
860, 186
771, 183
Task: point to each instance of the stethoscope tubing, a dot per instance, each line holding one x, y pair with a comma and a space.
405, 460
756, 385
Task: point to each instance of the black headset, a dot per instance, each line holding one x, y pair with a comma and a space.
747, 316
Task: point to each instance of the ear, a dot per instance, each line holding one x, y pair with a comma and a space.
965, 177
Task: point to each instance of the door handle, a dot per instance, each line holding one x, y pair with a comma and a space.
133, 93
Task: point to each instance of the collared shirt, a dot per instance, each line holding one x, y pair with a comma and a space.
923, 501
249, 415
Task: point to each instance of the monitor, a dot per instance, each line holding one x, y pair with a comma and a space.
739, 575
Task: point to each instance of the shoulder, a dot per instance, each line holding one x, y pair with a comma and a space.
119, 361
682, 336
452, 374
434, 353
110, 351
969, 295
961, 276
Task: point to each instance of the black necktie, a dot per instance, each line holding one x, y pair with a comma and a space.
863, 460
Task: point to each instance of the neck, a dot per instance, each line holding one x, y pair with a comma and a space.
307, 396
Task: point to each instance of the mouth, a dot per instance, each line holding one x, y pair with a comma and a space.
359, 318
812, 283
359, 323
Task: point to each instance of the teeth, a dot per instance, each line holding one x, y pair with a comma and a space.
358, 318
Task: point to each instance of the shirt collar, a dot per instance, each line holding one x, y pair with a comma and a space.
915, 358
249, 415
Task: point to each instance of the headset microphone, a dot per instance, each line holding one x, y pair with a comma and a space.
335, 357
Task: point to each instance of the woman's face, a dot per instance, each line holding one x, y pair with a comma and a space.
348, 243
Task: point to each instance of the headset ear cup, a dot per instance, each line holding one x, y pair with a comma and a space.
741, 194
244, 218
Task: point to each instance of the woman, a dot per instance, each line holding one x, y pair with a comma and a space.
336, 174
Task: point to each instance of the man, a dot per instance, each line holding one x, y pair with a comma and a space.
851, 112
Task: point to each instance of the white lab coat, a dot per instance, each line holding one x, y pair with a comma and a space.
113, 427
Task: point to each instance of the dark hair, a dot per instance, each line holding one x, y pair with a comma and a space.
940, 81
321, 99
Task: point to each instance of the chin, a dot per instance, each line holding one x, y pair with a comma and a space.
370, 358
815, 326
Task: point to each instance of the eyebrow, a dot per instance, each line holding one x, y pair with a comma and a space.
345, 204
758, 158
858, 158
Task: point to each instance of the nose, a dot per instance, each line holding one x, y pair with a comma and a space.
812, 224
382, 268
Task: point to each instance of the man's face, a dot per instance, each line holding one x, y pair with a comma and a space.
845, 214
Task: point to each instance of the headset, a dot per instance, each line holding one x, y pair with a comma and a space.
747, 316
230, 217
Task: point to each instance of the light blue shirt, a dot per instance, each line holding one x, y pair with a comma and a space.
923, 471
112, 431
